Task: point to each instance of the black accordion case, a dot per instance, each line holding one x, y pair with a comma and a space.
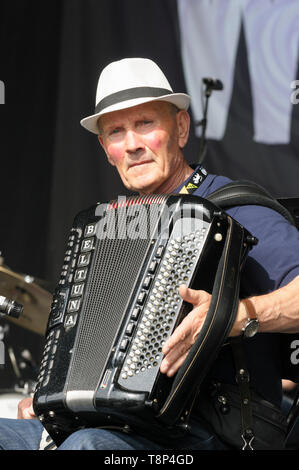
117, 302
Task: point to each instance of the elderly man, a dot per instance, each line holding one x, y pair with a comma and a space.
143, 127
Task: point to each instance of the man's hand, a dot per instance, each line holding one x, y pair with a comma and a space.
25, 409
277, 312
178, 344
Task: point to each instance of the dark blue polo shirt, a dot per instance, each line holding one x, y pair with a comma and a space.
272, 263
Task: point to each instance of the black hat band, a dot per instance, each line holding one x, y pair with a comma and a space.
130, 94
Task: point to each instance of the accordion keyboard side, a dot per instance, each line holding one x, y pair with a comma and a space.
97, 281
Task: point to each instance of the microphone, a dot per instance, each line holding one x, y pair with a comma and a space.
10, 307
213, 83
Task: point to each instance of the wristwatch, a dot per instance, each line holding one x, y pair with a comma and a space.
252, 325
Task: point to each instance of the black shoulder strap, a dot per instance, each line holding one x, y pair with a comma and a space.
242, 192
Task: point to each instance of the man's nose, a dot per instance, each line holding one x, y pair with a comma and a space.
133, 141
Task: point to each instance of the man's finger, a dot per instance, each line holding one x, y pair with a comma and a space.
176, 365
25, 409
174, 355
193, 296
179, 335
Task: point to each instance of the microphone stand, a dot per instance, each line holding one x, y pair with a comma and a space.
203, 123
211, 84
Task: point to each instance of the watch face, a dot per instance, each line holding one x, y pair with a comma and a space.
251, 328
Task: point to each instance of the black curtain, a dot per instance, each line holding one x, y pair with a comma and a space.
51, 57
29, 51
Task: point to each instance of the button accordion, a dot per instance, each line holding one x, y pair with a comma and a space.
117, 302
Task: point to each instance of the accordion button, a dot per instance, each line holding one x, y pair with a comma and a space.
141, 298
124, 344
84, 259
120, 358
129, 329
87, 244
147, 282
135, 313
90, 230
159, 251
80, 274
57, 334
70, 320
152, 267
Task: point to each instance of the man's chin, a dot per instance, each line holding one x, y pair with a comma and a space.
144, 185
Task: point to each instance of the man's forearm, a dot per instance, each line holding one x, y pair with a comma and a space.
276, 312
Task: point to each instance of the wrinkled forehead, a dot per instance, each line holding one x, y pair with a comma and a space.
159, 109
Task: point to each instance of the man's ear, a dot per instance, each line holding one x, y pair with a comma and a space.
183, 123
100, 139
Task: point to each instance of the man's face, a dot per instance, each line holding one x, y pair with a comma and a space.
144, 143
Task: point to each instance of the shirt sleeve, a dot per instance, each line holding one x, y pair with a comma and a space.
274, 261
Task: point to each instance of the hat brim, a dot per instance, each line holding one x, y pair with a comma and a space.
181, 100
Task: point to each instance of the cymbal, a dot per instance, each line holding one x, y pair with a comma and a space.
35, 299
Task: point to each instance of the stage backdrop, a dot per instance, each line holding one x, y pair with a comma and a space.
253, 123
51, 54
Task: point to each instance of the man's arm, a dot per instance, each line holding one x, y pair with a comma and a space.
277, 311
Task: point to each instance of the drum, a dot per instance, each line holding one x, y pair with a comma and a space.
22, 338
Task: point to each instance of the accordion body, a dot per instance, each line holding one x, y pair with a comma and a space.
117, 302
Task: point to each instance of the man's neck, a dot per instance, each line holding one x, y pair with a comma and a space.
179, 176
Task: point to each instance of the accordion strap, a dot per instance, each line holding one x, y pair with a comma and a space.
215, 330
242, 192
243, 381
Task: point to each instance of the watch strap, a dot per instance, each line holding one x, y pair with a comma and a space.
250, 309
251, 326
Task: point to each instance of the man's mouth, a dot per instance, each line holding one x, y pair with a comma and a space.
140, 163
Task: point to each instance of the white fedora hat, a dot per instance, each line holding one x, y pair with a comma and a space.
129, 82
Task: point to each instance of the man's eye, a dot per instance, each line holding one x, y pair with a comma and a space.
114, 131
145, 122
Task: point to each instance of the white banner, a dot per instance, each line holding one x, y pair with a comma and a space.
210, 32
